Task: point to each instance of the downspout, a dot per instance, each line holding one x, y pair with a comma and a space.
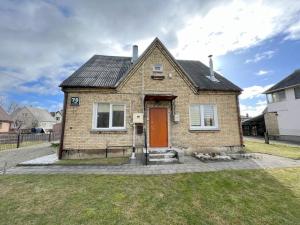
63, 126
239, 120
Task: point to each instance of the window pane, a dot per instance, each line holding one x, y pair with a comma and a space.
279, 96
297, 92
269, 98
195, 115
208, 115
103, 115
118, 116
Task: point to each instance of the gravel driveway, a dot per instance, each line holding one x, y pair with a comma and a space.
15, 156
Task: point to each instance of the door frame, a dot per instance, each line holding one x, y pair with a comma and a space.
168, 124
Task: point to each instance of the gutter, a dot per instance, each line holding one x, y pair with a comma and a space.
61, 145
280, 89
239, 120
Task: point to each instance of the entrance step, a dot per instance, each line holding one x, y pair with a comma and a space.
162, 155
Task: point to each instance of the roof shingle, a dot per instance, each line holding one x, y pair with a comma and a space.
99, 71
4, 115
291, 80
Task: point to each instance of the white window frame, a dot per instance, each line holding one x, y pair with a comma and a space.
298, 88
272, 95
160, 66
202, 127
110, 127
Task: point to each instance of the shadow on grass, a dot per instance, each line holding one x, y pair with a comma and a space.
227, 197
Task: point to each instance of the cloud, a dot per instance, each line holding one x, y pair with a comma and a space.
260, 56
234, 26
254, 91
293, 32
39, 39
263, 72
252, 110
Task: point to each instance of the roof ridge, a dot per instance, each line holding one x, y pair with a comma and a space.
115, 56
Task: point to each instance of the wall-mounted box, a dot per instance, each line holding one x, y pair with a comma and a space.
138, 118
176, 118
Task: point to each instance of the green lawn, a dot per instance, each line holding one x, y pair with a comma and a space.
273, 149
100, 161
22, 144
258, 197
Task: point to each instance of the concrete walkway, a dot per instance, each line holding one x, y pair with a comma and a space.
278, 142
191, 164
14, 156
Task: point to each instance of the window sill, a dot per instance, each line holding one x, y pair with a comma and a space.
204, 130
108, 131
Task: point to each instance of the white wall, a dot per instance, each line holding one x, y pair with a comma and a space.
46, 125
288, 114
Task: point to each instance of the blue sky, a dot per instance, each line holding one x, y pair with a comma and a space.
255, 43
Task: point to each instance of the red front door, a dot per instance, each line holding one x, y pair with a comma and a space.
158, 120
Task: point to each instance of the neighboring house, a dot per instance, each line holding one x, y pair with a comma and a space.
5, 121
283, 119
57, 116
119, 101
27, 118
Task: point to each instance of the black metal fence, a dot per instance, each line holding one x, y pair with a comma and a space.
15, 140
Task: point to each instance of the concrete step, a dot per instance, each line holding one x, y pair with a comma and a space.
162, 155
163, 160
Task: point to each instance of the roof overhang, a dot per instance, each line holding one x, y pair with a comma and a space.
159, 97
281, 89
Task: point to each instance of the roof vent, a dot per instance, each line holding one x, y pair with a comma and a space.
211, 68
135, 53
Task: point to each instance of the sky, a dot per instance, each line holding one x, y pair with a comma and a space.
254, 44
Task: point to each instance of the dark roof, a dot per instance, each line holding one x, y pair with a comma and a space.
99, 71
199, 73
259, 118
291, 80
4, 116
107, 72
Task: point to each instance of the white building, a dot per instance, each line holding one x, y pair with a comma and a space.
284, 102
27, 118
57, 116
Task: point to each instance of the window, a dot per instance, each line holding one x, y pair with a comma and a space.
297, 92
158, 68
109, 116
203, 117
278, 96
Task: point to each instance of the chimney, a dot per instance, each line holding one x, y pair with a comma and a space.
211, 67
135, 53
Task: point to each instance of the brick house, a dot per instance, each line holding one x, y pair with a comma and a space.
121, 101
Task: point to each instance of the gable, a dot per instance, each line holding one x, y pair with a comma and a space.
156, 53
144, 79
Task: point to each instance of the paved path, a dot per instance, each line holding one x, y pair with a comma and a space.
15, 156
191, 164
262, 140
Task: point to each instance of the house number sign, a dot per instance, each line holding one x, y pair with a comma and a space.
74, 101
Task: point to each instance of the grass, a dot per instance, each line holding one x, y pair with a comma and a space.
98, 161
273, 149
258, 197
22, 144
55, 145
